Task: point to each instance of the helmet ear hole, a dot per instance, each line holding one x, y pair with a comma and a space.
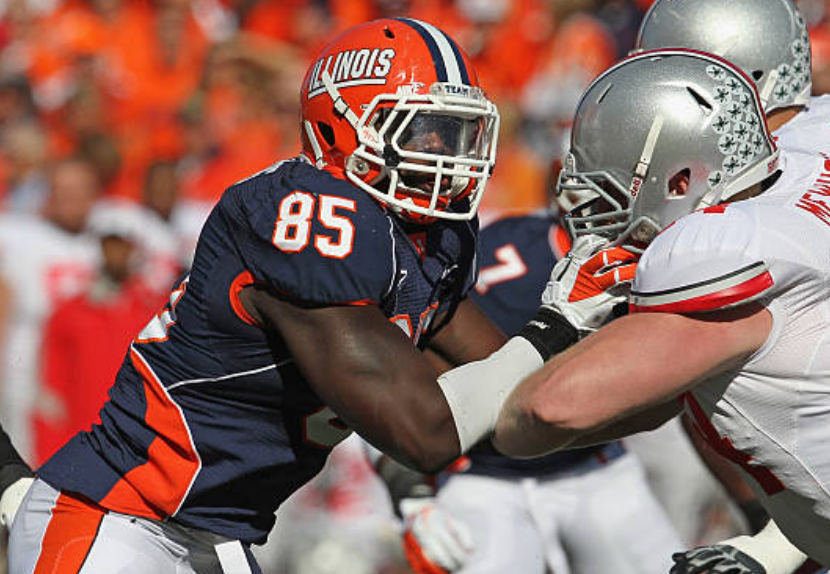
679, 183
327, 133
757, 75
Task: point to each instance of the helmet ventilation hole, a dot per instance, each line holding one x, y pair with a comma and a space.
604, 93
326, 132
701, 101
757, 75
389, 33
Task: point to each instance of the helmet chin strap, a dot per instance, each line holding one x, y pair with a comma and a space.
342, 108
340, 105
315, 145
641, 170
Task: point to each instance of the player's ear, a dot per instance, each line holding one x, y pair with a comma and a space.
679, 183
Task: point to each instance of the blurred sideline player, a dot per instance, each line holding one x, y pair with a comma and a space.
730, 313
76, 372
44, 258
312, 283
587, 511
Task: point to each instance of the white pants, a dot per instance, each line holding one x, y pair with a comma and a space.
605, 521
682, 483
56, 534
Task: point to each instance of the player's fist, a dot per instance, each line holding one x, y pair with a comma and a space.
716, 559
11, 499
589, 282
434, 542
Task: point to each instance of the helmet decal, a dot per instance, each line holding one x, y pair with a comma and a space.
741, 139
352, 68
794, 76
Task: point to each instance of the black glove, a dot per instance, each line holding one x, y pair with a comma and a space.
716, 559
755, 515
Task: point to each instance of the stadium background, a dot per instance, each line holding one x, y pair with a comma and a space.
164, 103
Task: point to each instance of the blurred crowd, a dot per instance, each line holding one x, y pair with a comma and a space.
122, 121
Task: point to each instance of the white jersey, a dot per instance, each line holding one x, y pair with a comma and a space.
809, 130
771, 416
41, 264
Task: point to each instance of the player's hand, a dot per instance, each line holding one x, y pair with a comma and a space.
716, 559
434, 542
589, 282
11, 499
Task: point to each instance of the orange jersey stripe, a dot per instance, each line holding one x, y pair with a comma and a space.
157, 488
242, 280
69, 536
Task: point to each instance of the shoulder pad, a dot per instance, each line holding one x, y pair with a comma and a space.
313, 237
705, 262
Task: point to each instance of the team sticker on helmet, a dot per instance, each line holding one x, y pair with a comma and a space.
794, 76
363, 67
736, 123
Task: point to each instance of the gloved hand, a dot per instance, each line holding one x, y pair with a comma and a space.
589, 282
716, 559
434, 542
768, 552
11, 499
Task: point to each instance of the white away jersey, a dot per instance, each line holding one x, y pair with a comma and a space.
809, 130
771, 416
42, 265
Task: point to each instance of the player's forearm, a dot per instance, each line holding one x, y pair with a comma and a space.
625, 368
369, 373
469, 336
475, 392
646, 420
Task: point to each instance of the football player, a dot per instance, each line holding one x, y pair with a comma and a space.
313, 284
780, 65
586, 511
729, 310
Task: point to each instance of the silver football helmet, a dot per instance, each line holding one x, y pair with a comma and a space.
767, 39
659, 135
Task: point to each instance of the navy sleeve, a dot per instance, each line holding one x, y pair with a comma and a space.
312, 237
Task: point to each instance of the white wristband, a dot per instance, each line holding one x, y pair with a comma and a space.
771, 549
476, 391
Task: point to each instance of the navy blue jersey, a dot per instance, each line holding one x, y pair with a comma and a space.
516, 255
209, 420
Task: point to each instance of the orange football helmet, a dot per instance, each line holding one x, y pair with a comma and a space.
395, 106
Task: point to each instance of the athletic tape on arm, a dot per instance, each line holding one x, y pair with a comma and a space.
476, 391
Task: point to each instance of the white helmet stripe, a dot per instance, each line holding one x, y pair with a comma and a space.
441, 49
447, 53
